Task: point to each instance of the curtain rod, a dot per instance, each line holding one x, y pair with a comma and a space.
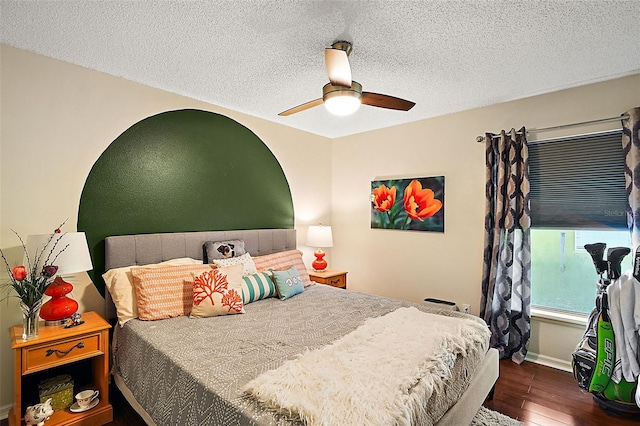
562, 126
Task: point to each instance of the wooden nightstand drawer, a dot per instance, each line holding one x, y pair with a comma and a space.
338, 281
49, 355
329, 277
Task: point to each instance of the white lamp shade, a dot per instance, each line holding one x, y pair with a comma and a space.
71, 249
319, 236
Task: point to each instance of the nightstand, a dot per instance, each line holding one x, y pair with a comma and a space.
329, 277
81, 351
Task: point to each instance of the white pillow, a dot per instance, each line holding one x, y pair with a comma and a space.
248, 267
119, 282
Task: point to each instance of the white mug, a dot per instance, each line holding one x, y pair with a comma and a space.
85, 397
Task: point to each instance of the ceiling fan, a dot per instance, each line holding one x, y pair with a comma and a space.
342, 95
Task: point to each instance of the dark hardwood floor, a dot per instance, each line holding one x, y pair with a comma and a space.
534, 394
542, 396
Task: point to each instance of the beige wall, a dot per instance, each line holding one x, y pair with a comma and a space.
415, 265
56, 119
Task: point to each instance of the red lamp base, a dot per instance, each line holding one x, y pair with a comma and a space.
56, 310
319, 264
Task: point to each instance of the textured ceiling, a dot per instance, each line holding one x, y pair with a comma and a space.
261, 57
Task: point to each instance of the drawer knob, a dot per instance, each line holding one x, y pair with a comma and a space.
79, 345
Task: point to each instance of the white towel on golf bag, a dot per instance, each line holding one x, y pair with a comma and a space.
624, 310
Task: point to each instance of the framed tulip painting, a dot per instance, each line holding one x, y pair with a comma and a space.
415, 204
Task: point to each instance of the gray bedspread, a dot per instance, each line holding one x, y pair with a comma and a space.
186, 371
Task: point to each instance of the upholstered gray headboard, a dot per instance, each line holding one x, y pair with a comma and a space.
143, 249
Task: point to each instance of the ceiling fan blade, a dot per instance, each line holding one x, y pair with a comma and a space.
337, 63
302, 107
386, 101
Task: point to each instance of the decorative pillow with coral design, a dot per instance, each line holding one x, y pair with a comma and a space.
218, 292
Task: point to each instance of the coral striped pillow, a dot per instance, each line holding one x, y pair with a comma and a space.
119, 282
257, 286
283, 260
165, 292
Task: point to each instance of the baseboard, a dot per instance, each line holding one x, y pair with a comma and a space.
4, 411
548, 361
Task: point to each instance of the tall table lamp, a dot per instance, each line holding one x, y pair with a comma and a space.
319, 236
72, 253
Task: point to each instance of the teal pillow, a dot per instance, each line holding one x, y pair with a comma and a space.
288, 282
257, 286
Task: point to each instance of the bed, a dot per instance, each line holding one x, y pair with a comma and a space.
183, 370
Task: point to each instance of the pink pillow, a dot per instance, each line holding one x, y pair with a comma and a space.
283, 260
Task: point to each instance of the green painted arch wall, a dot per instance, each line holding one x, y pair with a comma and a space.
180, 171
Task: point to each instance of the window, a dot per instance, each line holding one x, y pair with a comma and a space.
577, 197
563, 276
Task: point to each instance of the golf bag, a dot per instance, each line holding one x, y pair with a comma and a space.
594, 359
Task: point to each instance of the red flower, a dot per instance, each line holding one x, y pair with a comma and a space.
49, 270
19, 273
29, 282
384, 198
420, 203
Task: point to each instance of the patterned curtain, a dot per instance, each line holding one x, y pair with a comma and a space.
506, 277
631, 148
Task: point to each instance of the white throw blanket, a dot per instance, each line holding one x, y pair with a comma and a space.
380, 374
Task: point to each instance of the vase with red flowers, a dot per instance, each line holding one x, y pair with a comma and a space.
30, 281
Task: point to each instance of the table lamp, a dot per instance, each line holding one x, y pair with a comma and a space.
319, 236
72, 253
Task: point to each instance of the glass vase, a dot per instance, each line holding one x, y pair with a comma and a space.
30, 320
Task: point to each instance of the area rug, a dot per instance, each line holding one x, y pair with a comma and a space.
486, 417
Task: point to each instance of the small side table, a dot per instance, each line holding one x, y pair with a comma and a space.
83, 350
329, 277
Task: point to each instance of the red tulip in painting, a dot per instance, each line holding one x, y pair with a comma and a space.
420, 203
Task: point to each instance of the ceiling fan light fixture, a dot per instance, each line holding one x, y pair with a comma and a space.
342, 104
342, 95
341, 100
